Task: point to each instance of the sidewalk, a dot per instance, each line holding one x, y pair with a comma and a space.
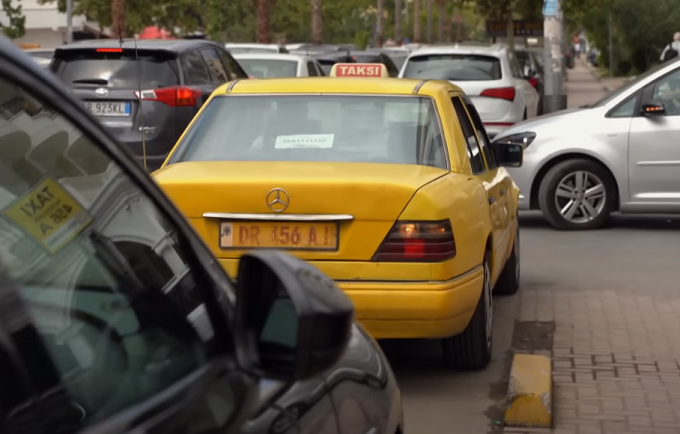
584, 85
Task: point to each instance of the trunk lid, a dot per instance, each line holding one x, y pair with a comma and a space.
320, 199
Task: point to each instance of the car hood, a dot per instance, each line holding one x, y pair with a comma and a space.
557, 124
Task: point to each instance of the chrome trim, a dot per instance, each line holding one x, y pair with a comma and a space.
418, 86
658, 163
412, 282
279, 217
232, 84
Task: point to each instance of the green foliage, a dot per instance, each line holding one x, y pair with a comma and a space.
15, 28
640, 32
167, 14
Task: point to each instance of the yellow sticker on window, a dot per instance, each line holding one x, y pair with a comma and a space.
49, 214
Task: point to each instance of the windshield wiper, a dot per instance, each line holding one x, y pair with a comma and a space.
91, 81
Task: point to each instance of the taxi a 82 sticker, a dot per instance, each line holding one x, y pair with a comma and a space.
49, 214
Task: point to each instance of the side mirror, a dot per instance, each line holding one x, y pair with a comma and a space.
653, 108
508, 154
291, 321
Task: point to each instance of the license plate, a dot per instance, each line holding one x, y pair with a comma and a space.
285, 235
97, 108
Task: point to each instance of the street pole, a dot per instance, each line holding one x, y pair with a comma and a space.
69, 21
554, 98
611, 44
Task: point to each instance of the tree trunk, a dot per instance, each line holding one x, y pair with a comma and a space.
397, 20
511, 30
428, 31
449, 28
379, 23
263, 21
317, 29
441, 21
118, 18
416, 20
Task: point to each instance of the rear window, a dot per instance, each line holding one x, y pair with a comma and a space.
459, 67
367, 58
326, 65
269, 68
324, 128
125, 69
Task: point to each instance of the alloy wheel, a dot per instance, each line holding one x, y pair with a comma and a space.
580, 197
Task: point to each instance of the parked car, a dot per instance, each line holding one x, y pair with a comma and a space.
40, 53
618, 154
489, 74
532, 69
397, 54
145, 92
329, 58
275, 65
239, 48
371, 56
117, 318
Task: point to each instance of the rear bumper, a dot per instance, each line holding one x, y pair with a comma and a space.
416, 309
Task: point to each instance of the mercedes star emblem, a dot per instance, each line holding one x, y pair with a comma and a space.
101, 92
278, 200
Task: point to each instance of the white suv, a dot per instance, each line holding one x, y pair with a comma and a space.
489, 74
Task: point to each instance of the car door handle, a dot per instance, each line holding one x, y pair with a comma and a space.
502, 192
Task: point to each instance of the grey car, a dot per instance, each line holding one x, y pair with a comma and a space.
618, 154
145, 92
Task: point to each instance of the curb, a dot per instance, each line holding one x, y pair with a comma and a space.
529, 400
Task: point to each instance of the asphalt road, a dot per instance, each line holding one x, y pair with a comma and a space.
633, 253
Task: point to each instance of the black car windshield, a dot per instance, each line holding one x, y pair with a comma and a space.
117, 68
461, 67
319, 128
631, 84
269, 68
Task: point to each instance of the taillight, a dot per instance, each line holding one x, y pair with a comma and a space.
534, 82
172, 96
507, 93
109, 50
421, 241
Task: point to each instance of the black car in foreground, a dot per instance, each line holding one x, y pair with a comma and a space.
116, 318
145, 92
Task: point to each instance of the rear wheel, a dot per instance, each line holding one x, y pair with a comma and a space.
472, 348
508, 281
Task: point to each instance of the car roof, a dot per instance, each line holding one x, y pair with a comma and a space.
316, 85
177, 45
252, 45
462, 49
272, 56
38, 50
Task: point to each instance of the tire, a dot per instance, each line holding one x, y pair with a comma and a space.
587, 212
471, 349
508, 281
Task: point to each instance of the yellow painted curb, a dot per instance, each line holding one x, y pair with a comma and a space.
529, 392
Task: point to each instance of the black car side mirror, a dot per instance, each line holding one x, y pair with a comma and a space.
291, 321
653, 108
508, 154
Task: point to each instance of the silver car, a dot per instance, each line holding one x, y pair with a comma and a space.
489, 74
620, 154
277, 65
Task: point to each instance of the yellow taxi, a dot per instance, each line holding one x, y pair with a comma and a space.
389, 186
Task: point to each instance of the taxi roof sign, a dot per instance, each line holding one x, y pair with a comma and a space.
367, 70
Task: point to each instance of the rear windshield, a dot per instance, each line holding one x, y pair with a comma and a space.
324, 128
242, 50
398, 59
326, 65
367, 58
269, 68
155, 68
460, 67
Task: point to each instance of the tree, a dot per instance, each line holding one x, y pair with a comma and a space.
118, 18
262, 14
430, 14
317, 31
441, 18
397, 19
16, 27
380, 23
416, 20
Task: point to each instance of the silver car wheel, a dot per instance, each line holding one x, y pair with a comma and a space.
580, 197
488, 304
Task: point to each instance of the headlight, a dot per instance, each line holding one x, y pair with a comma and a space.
524, 139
